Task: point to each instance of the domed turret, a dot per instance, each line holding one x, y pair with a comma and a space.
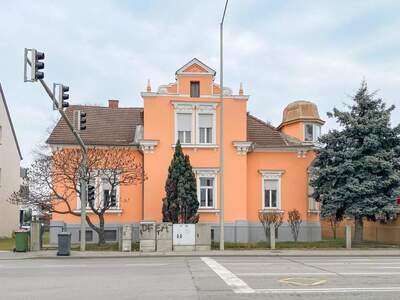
301, 120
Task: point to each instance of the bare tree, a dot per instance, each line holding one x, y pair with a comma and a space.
268, 218
294, 223
53, 181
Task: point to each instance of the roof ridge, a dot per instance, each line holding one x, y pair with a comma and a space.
263, 122
99, 106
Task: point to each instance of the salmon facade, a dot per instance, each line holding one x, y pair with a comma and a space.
265, 167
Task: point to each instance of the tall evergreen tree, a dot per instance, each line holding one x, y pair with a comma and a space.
357, 171
180, 204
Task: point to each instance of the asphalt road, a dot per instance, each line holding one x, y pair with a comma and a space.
201, 278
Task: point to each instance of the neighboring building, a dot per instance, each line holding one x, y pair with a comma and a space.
10, 158
266, 168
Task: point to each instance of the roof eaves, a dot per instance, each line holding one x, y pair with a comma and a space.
10, 120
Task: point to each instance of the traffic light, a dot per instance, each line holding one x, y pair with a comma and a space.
113, 198
63, 97
37, 65
91, 195
82, 120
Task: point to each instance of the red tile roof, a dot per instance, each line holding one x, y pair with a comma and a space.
105, 126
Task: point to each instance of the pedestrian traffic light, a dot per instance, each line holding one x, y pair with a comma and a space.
63, 97
37, 65
82, 120
91, 194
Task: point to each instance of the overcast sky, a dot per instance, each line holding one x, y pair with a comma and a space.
282, 51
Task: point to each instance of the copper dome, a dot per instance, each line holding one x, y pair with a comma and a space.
301, 111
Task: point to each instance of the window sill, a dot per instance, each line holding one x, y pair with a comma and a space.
109, 211
208, 210
314, 211
272, 210
195, 146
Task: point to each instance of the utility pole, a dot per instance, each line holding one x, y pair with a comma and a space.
36, 64
221, 146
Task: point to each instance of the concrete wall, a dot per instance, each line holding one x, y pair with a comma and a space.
238, 232
10, 174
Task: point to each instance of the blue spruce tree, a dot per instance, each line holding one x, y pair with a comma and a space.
357, 171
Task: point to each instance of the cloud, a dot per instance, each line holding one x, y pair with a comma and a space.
281, 50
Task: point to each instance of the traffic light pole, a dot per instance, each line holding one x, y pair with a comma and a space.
83, 182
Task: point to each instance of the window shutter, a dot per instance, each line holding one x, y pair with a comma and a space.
184, 122
205, 120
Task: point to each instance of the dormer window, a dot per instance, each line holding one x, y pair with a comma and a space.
195, 89
312, 132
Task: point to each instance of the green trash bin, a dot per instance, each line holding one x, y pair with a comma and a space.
21, 240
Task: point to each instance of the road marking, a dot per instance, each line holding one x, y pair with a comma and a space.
327, 290
237, 285
319, 274
303, 281
146, 265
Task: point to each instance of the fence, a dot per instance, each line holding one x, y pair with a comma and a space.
388, 233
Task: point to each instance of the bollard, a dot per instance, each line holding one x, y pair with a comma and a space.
348, 237
272, 236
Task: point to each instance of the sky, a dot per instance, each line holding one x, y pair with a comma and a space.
282, 51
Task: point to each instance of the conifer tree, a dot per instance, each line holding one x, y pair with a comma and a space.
180, 204
357, 171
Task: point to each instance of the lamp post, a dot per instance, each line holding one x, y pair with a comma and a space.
221, 136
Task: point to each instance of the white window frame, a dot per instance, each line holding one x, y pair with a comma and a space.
184, 109
271, 175
207, 173
98, 199
315, 128
206, 110
196, 109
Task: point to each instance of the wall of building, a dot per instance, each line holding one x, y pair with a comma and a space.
130, 204
10, 175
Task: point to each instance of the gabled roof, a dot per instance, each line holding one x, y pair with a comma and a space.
265, 135
195, 66
105, 126
10, 121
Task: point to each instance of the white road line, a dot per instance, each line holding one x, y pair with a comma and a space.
237, 285
327, 290
145, 265
319, 274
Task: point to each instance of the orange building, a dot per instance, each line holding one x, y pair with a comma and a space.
265, 167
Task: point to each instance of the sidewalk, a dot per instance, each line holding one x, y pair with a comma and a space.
52, 254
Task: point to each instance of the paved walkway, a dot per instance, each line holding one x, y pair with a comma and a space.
4, 255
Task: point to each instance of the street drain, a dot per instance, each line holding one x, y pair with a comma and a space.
302, 281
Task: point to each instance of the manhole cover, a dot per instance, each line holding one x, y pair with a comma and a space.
303, 281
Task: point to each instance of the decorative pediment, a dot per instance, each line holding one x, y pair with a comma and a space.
147, 146
243, 147
195, 66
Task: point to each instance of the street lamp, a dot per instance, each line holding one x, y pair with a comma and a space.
221, 136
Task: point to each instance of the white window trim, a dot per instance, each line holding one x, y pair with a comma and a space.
206, 110
271, 175
195, 109
210, 173
314, 126
98, 197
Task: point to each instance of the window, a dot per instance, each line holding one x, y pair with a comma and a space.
102, 194
88, 236
271, 189
207, 192
205, 128
108, 197
184, 127
110, 235
313, 206
312, 132
194, 89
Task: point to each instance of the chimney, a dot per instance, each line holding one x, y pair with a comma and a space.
113, 103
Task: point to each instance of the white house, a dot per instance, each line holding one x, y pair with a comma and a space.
10, 180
